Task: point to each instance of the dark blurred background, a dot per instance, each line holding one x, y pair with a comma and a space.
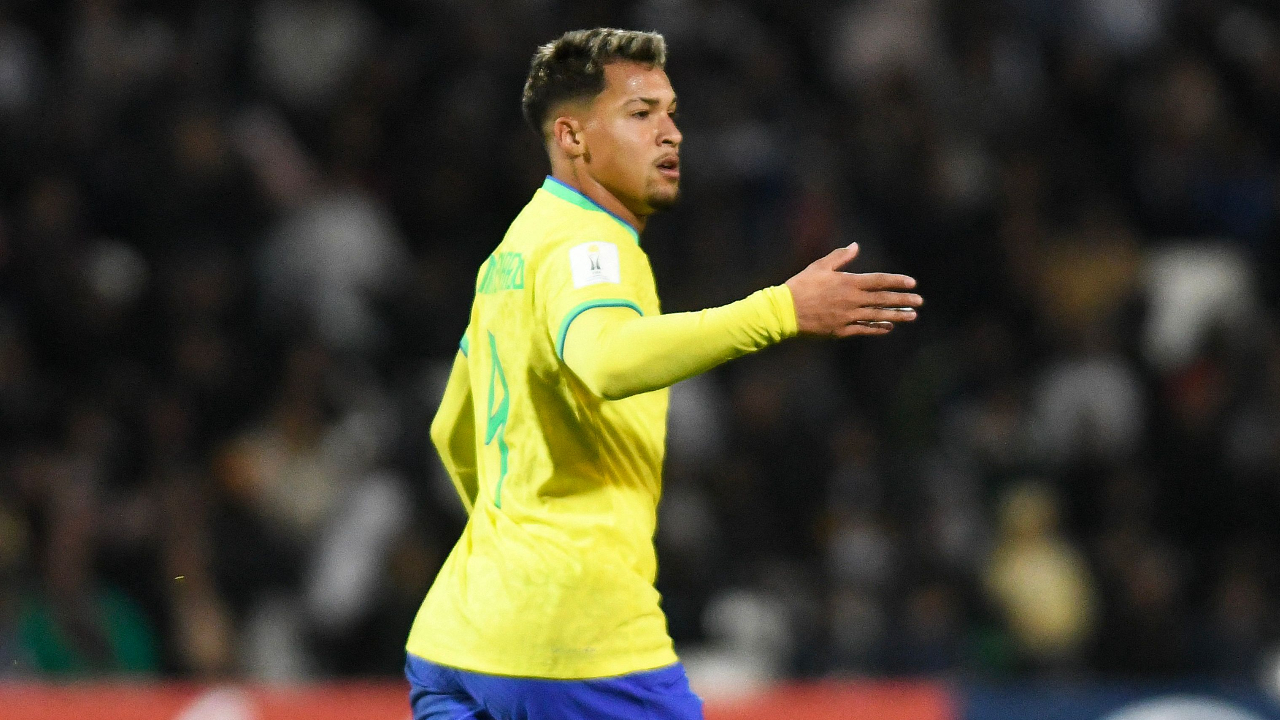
237, 248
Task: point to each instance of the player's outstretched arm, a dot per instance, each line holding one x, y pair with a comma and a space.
617, 354
453, 432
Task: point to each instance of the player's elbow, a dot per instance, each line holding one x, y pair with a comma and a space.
440, 435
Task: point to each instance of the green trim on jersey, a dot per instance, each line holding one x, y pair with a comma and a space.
497, 423
583, 307
572, 195
465, 346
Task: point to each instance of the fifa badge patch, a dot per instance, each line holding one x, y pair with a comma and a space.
594, 263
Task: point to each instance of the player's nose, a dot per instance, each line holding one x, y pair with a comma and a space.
670, 134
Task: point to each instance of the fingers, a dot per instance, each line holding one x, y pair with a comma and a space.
884, 326
865, 329
882, 281
834, 303
886, 299
890, 315
876, 321
838, 258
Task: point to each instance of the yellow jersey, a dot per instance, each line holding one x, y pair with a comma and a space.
553, 575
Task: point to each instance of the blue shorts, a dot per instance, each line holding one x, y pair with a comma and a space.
437, 692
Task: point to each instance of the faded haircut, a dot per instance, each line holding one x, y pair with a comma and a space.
571, 67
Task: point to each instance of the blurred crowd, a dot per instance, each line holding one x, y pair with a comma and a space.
238, 241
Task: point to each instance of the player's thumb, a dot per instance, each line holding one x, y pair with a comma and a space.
839, 257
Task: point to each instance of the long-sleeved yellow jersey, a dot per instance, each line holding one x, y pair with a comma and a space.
559, 462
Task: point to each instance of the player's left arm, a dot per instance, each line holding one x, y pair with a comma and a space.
599, 304
618, 354
453, 431
617, 351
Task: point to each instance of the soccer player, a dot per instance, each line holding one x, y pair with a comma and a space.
553, 420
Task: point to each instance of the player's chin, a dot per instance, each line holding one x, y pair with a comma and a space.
664, 198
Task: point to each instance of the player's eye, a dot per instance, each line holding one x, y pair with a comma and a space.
640, 114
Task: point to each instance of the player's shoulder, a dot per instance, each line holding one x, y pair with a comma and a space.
566, 215
560, 226
557, 241
597, 250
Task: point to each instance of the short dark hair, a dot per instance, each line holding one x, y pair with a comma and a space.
571, 67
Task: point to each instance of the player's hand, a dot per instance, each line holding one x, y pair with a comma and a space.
832, 303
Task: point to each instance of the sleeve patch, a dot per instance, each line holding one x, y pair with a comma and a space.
594, 263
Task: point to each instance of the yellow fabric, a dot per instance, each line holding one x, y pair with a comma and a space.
617, 354
553, 574
453, 432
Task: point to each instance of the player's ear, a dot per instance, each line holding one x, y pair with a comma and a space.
566, 133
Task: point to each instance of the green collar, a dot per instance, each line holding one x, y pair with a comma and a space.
572, 195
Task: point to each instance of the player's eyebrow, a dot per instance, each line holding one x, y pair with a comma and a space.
652, 101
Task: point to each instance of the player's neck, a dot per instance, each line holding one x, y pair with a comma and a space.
590, 187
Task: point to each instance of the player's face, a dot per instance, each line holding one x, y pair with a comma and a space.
632, 137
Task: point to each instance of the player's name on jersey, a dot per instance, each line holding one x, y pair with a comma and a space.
502, 271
